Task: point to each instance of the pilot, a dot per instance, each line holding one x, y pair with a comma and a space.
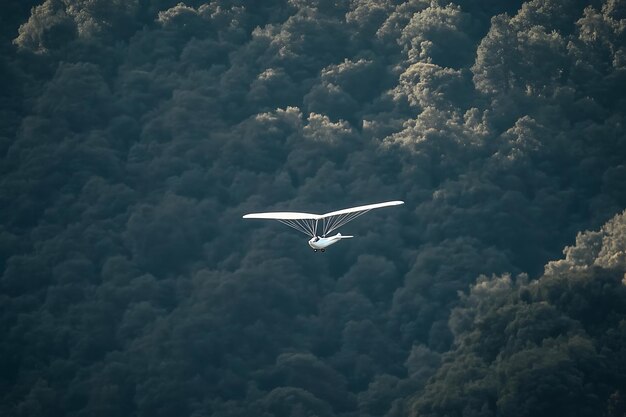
316, 238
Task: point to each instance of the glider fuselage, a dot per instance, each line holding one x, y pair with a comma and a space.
321, 243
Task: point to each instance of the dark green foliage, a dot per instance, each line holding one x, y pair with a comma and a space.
134, 135
543, 347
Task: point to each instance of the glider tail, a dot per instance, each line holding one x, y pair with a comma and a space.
340, 236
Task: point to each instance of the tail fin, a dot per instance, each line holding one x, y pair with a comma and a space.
340, 236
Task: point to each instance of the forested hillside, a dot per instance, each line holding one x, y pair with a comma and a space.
134, 134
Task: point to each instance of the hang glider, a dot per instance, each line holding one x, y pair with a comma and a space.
308, 223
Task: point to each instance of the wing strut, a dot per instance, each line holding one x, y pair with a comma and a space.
306, 226
335, 222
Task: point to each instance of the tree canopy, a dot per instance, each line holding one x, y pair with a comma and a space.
134, 135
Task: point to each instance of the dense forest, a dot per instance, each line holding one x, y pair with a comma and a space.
134, 134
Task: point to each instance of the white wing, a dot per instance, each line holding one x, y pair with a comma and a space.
307, 222
302, 222
335, 219
367, 207
282, 215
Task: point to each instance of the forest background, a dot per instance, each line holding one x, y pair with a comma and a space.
134, 134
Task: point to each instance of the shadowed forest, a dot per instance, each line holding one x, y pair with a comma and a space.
134, 134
